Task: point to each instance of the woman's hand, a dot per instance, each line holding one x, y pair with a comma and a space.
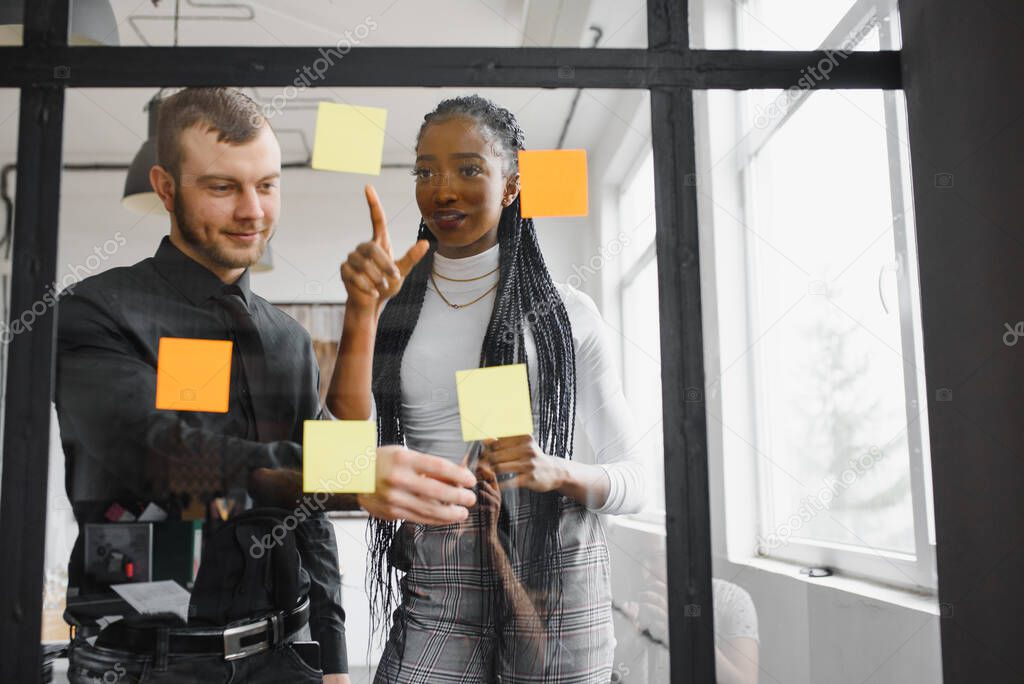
371, 274
533, 469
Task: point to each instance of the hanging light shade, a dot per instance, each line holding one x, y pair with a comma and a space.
266, 262
92, 23
138, 192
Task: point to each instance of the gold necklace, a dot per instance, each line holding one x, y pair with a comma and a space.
460, 306
464, 280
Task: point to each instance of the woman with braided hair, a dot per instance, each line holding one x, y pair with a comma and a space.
519, 591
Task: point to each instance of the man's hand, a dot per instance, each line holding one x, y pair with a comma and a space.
282, 488
410, 486
419, 488
337, 679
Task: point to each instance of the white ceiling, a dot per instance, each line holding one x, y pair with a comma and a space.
108, 125
320, 22
507, 23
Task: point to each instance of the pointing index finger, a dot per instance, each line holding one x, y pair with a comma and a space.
378, 219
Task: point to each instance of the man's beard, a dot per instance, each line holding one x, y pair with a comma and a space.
211, 252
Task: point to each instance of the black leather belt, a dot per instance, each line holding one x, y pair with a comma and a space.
234, 642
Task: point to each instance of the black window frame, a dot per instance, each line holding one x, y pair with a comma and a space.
45, 66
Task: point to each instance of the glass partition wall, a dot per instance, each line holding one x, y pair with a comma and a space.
632, 84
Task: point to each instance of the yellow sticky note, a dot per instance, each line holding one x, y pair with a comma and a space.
494, 402
349, 138
193, 375
553, 182
339, 456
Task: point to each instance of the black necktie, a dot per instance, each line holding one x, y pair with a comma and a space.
250, 350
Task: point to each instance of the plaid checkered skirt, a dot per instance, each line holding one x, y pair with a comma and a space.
442, 631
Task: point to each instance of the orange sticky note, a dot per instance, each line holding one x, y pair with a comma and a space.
553, 182
193, 375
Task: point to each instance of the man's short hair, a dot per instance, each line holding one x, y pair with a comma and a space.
235, 117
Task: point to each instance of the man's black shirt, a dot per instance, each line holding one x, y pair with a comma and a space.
119, 447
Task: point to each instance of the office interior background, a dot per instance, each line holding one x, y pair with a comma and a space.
846, 402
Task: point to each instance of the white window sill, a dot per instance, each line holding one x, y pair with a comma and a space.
923, 603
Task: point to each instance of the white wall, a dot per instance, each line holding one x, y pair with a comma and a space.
323, 217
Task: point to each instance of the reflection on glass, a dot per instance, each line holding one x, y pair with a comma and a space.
735, 626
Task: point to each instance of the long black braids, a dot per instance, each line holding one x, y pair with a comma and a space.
526, 295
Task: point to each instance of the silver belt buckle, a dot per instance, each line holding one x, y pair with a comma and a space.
233, 648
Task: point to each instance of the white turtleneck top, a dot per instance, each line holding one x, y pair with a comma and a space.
447, 340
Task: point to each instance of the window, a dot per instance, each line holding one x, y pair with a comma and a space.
832, 364
791, 24
638, 303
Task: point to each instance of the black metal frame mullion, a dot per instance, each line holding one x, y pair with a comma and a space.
30, 355
154, 67
687, 502
44, 67
684, 427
